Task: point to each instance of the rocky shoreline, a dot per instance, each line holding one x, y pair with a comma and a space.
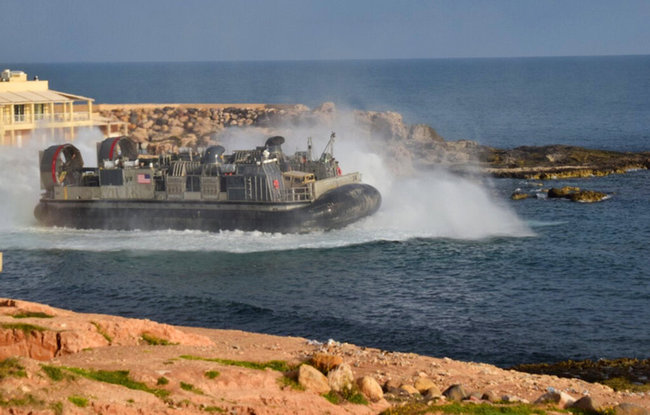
166, 127
55, 361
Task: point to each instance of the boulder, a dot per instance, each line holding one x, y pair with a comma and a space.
586, 403
312, 380
423, 133
176, 131
391, 386
326, 107
325, 362
423, 384
587, 196
490, 396
432, 393
139, 135
370, 388
341, 378
409, 389
555, 193
561, 399
519, 195
630, 409
513, 399
456, 393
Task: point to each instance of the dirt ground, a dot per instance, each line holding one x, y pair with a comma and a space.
44, 352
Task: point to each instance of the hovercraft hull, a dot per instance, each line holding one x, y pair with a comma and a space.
334, 209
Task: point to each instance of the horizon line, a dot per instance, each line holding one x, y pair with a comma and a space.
333, 59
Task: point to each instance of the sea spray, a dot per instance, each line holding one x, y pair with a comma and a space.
433, 203
420, 204
20, 175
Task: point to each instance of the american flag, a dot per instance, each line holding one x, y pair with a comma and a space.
144, 178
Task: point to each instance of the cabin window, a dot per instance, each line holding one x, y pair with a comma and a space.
19, 113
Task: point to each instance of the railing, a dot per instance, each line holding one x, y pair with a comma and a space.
298, 194
57, 117
75, 116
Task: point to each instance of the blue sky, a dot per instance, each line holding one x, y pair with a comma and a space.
216, 30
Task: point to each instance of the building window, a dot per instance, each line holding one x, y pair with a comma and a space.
19, 113
39, 111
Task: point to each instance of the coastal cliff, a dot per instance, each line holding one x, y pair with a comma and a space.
166, 127
55, 361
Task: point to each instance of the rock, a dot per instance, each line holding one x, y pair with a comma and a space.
370, 388
341, 378
326, 107
312, 380
513, 399
176, 131
423, 384
561, 399
139, 135
575, 194
587, 196
409, 389
519, 195
424, 134
490, 396
630, 409
456, 393
391, 386
586, 403
555, 193
432, 393
476, 396
325, 362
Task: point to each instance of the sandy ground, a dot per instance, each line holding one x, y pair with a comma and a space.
101, 342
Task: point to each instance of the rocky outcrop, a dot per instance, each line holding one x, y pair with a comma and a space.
560, 162
166, 127
575, 194
572, 193
239, 372
28, 329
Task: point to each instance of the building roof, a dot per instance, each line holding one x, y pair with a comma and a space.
27, 97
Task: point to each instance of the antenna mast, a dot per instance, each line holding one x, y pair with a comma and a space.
329, 146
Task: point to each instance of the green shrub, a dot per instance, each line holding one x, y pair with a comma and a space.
211, 374
279, 365
156, 341
191, 388
11, 367
80, 401
32, 314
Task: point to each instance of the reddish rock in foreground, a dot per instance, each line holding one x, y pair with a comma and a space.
57, 361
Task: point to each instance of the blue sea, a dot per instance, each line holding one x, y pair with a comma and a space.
449, 266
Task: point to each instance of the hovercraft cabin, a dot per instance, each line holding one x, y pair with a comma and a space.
29, 109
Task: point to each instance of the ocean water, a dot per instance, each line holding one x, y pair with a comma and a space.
590, 101
448, 267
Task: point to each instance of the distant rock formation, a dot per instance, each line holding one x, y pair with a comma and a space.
165, 128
